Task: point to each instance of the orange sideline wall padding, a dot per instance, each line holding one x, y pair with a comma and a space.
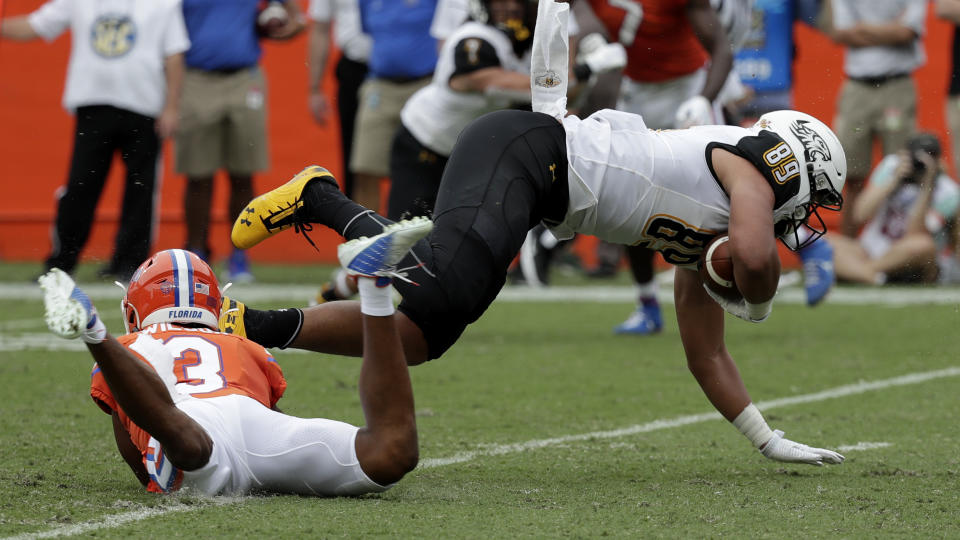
36, 138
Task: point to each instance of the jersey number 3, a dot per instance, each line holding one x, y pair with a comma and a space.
197, 364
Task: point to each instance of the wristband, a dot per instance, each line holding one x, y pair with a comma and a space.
751, 423
759, 312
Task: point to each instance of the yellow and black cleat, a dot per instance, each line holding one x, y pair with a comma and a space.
275, 210
231, 317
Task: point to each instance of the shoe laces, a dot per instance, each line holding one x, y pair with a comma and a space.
300, 226
400, 273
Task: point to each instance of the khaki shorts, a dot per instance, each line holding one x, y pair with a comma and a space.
378, 119
866, 112
223, 123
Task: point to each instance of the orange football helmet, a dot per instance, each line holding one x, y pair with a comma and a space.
173, 286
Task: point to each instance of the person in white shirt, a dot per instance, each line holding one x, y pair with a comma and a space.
123, 86
343, 16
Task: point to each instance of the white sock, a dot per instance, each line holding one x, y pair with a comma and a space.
647, 290
376, 301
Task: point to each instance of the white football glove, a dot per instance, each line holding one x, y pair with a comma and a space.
69, 311
780, 449
695, 111
607, 57
743, 309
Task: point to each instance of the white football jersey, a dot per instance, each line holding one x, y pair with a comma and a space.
635, 186
436, 114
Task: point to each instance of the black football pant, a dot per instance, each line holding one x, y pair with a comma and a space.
507, 173
101, 131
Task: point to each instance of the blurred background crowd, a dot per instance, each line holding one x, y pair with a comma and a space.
176, 112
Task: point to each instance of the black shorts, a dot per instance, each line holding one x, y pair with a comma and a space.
508, 172
415, 176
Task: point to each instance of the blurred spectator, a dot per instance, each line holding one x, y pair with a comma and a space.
905, 207
123, 84
402, 58
878, 99
223, 116
350, 71
479, 70
950, 11
678, 60
765, 63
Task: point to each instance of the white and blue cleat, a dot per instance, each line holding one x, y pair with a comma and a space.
68, 310
818, 272
379, 255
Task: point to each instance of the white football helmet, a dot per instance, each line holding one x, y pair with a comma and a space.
823, 171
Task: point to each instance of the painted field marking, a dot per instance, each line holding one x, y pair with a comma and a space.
118, 520
840, 391
863, 446
298, 294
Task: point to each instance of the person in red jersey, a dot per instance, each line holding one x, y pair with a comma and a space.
194, 407
678, 59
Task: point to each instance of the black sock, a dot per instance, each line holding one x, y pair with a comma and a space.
328, 206
273, 328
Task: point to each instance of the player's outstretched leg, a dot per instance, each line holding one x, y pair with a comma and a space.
311, 196
387, 446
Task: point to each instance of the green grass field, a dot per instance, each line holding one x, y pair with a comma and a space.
541, 423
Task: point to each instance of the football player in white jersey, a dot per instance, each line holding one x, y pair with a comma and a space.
606, 175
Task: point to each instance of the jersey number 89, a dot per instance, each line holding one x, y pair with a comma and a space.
782, 163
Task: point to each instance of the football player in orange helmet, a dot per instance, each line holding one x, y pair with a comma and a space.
195, 407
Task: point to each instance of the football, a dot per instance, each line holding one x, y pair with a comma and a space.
271, 18
716, 269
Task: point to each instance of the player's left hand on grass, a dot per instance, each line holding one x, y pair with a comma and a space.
780, 449
69, 311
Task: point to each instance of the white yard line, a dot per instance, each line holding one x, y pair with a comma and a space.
863, 446
118, 520
300, 294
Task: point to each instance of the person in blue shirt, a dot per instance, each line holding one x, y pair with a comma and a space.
223, 111
402, 59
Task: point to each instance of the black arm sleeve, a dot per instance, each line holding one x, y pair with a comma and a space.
472, 54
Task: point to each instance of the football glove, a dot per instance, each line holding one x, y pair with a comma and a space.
695, 111
780, 449
606, 57
743, 309
69, 313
